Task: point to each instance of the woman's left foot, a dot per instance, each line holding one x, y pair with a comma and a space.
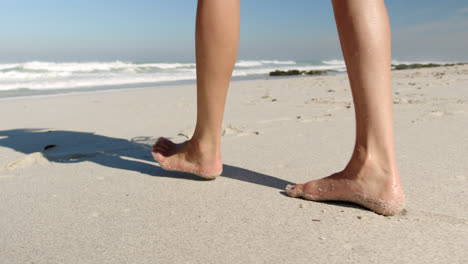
191, 156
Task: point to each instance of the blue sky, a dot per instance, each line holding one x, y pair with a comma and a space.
151, 30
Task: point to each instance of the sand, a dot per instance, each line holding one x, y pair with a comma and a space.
95, 195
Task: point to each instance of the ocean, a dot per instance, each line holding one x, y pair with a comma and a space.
44, 78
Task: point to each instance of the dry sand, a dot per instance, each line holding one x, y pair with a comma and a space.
97, 196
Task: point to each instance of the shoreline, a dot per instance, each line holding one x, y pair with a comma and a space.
292, 73
80, 91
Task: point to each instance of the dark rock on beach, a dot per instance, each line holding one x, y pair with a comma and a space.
419, 65
297, 72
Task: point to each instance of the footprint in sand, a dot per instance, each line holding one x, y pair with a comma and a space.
186, 133
322, 100
230, 130
36, 158
324, 117
6, 175
145, 142
280, 119
441, 113
227, 131
404, 101
436, 113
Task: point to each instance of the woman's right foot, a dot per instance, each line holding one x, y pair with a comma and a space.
191, 157
364, 183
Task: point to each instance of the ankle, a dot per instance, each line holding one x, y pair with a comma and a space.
365, 157
205, 146
207, 137
375, 173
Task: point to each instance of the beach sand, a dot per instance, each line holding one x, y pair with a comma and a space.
78, 184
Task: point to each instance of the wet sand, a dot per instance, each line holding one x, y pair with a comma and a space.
78, 184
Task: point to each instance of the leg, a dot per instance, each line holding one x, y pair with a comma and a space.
371, 178
217, 37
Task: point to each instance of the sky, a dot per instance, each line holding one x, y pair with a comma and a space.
152, 30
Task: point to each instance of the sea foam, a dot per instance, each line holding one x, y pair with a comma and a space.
62, 76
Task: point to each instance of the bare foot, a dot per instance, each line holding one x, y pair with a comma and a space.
362, 183
190, 156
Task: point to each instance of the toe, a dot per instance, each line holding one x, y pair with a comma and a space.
158, 147
160, 150
165, 142
294, 190
161, 146
160, 158
169, 143
159, 142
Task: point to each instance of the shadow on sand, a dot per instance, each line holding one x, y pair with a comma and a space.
132, 155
